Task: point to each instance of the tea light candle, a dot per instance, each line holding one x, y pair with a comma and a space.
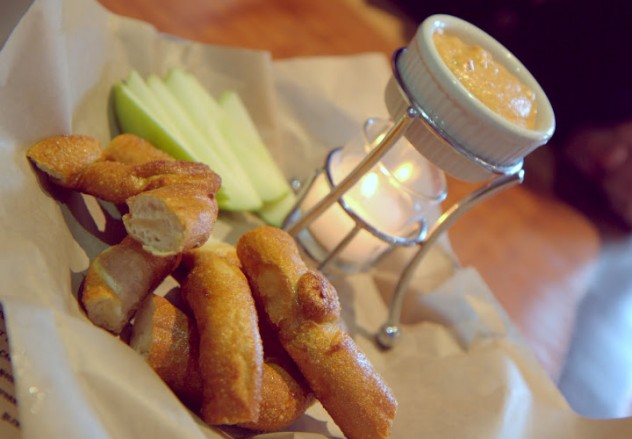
384, 209
388, 198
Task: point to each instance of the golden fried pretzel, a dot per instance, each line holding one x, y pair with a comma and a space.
285, 393
197, 255
231, 353
284, 397
116, 182
172, 203
118, 279
168, 339
77, 162
63, 158
173, 218
303, 306
131, 149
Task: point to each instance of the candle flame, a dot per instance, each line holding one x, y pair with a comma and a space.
403, 172
369, 185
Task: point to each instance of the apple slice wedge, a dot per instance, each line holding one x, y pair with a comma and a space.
240, 130
149, 110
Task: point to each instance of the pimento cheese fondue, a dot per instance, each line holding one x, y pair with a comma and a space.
489, 81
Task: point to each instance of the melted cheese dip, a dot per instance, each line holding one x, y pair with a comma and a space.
489, 81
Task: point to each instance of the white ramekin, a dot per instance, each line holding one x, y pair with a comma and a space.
486, 141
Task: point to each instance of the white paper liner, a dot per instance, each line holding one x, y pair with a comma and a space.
460, 370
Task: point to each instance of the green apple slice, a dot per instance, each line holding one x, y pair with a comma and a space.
228, 123
147, 109
239, 192
275, 212
240, 130
136, 118
204, 113
178, 115
187, 86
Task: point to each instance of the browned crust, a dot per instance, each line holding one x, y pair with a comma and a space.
183, 191
210, 249
116, 182
344, 381
231, 354
304, 308
64, 157
117, 281
285, 397
131, 149
191, 212
168, 340
286, 394
274, 272
127, 167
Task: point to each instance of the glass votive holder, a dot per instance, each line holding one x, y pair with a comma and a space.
387, 207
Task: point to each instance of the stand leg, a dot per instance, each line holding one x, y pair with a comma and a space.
390, 331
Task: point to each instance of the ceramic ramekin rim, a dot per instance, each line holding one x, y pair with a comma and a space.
545, 120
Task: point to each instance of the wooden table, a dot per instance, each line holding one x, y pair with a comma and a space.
535, 253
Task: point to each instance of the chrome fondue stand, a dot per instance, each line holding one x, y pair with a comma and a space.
502, 178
